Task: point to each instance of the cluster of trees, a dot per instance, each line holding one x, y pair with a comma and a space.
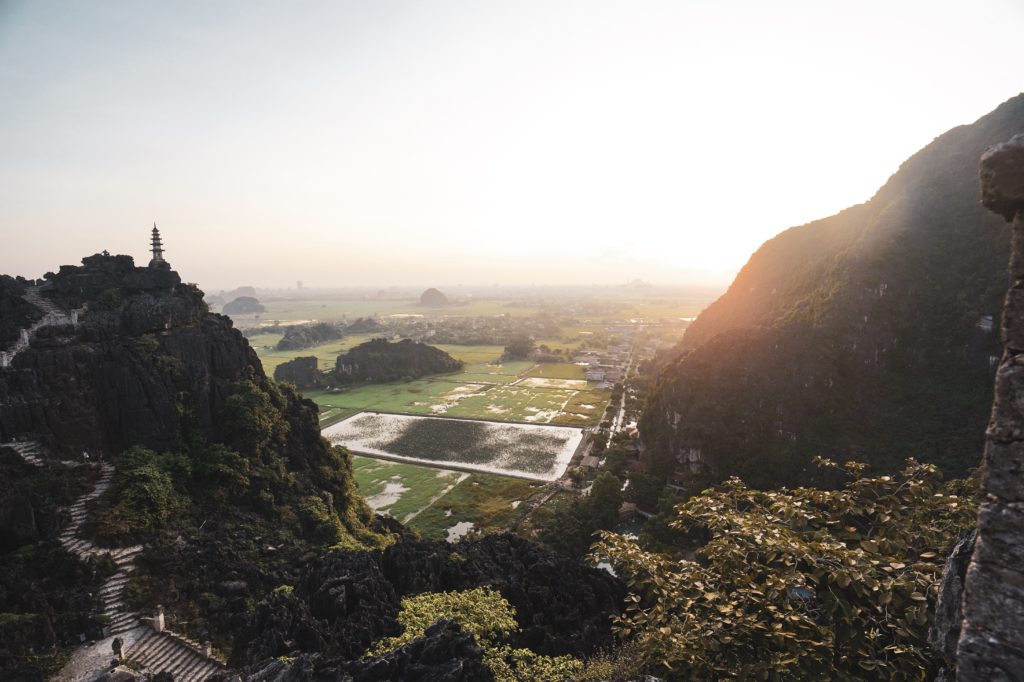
253, 468
492, 620
518, 348
299, 336
380, 360
571, 527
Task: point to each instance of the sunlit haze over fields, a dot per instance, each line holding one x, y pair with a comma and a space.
380, 143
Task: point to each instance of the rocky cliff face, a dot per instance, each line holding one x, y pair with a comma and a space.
991, 641
303, 372
15, 312
868, 335
344, 601
146, 363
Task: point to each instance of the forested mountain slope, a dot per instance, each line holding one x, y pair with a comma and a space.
865, 335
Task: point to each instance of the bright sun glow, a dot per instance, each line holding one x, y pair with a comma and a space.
405, 142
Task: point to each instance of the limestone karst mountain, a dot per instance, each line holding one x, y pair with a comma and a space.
146, 460
434, 298
869, 335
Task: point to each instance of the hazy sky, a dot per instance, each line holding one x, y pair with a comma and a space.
382, 142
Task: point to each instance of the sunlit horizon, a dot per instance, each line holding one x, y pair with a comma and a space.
407, 143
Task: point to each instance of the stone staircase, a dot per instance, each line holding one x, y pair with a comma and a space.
29, 451
121, 620
52, 315
168, 652
34, 295
152, 647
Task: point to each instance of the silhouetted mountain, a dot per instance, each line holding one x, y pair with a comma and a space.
868, 335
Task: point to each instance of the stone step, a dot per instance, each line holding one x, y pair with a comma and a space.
180, 659
121, 618
206, 668
190, 667
130, 625
172, 658
111, 587
159, 660
154, 648
193, 671
143, 645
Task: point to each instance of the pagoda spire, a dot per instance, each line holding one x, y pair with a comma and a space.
158, 250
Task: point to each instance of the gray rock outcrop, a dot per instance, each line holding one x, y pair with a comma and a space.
991, 644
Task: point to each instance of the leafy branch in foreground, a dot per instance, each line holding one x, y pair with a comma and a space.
492, 620
804, 583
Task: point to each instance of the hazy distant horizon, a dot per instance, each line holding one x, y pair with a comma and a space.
401, 142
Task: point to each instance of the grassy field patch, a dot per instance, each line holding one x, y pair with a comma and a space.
484, 500
416, 486
558, 370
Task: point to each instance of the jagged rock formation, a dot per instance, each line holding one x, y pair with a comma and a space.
303, 372
380, 360
434, 298
145, 359
991, 644
867, 335
148, 365
445, 653
299, 336
346, 600
243, 305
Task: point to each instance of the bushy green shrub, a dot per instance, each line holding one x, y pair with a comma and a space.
490, 619
144, 493
798, 584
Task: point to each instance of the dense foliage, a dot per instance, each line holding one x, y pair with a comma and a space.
571, 527
380, 360
798, 584
490, 618
519, 347
251, 470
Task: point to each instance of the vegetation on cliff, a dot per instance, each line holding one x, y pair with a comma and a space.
209, 452
380, 360
867, 335
798, 584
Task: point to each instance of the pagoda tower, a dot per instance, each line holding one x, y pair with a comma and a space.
158, 251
